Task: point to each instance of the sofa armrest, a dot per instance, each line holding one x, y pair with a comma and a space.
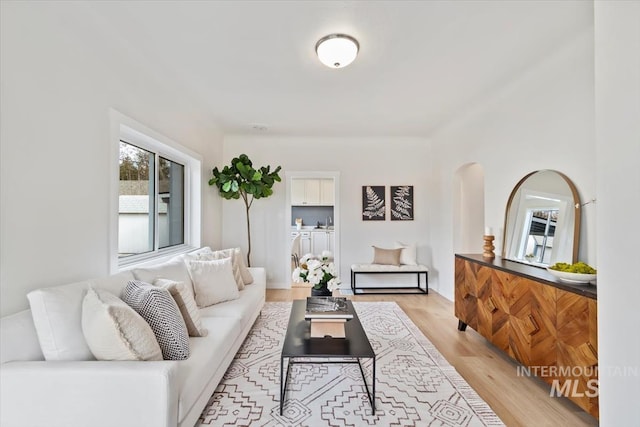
259, 276
96, 393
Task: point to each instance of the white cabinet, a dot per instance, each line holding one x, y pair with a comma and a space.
318, 192
305, 243
327, 193
298, 192
322, 241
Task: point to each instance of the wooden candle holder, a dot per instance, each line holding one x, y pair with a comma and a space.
488, 247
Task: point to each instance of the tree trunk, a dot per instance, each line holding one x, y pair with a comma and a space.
248, 235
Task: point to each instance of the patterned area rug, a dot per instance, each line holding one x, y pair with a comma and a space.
415, 385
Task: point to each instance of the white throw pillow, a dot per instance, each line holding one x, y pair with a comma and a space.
174, 269
57, 316
409, 255
114, 331
247, 278
202, 254
158, 308
206, 254
187, 305
213, 281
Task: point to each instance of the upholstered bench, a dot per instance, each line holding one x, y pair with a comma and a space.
418, 270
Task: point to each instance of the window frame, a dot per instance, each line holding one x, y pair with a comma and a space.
128, 130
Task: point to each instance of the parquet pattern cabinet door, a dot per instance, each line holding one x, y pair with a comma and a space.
577, 347
524, 319
533, 318
493, 323
465, 293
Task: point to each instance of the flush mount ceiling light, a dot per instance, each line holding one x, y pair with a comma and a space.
337, 50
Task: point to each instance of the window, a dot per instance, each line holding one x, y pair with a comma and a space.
150, 216
541, 229
157, 213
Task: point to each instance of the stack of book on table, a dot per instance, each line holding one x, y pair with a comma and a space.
327, 316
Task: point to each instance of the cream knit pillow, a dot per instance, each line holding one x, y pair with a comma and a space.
213, 281
114, 331
186, 304
206, 254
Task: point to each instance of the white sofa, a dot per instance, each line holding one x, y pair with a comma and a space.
35, 392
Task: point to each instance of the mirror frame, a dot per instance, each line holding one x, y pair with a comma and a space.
577, 212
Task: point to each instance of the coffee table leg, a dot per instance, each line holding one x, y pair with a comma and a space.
370, 393
373, 387
283, 384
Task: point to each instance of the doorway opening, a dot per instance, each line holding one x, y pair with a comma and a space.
312, 215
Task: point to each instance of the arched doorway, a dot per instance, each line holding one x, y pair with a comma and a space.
468, 208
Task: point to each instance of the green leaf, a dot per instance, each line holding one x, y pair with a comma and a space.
227, 186
234, 186
257, 176
245, 160
246, 172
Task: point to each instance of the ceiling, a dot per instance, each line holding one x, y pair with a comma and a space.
421, 63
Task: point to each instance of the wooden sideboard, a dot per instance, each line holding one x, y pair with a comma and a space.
546, 325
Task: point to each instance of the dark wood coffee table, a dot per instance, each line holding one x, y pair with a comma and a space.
299, 345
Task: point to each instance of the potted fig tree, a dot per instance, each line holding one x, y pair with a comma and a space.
241, 180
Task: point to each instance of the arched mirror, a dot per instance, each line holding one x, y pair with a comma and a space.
542, 220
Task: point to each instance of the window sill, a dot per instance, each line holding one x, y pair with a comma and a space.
152, 258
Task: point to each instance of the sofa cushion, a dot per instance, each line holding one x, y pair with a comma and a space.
209, 355
386, 256
186, 304
114, 331
244, 308
174, 269
18, 338
213, 281
161, 312
114, 283
57, 315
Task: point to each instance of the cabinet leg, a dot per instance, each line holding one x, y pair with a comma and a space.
462, 326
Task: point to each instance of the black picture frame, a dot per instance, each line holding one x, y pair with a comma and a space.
401, 197
373, 203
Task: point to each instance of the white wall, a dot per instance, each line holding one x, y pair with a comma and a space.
360, 161
61, 71
542, 119
617, 66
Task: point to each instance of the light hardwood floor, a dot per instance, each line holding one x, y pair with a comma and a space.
518, 400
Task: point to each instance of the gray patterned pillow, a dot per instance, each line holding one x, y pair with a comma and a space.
158, 308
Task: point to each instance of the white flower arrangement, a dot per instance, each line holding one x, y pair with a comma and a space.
321, 273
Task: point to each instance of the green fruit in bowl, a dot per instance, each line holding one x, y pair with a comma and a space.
578, 267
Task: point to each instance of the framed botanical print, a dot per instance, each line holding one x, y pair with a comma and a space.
373, 203
401, 202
